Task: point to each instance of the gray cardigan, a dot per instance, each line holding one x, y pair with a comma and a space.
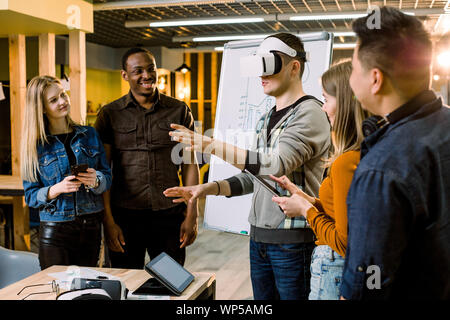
298, 143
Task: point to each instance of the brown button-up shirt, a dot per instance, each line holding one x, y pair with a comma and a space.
142, 163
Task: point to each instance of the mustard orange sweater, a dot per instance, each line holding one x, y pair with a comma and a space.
328, 216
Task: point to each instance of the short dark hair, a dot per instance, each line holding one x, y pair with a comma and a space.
131, 51
401, 48
295, 43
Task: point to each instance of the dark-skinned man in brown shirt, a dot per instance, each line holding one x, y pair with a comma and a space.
134, 130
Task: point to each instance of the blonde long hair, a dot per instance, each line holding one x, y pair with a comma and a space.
34, 125
347, 127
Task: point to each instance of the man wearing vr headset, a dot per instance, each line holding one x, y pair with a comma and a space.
292, 139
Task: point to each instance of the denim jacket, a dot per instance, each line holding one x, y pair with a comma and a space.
399, 208
54, 167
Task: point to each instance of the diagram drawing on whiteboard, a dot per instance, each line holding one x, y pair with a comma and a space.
251, 111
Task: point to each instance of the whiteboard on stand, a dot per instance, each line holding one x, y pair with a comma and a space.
240, 104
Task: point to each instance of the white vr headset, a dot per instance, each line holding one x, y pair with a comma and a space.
267, 61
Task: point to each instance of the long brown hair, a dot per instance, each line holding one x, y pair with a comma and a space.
347, 127
34, 125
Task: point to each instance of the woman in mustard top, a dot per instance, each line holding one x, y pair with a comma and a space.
327, 215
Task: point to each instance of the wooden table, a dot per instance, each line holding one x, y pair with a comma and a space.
203, 287
18, 219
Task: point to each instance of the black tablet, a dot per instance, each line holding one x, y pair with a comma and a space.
264, 183
170, 273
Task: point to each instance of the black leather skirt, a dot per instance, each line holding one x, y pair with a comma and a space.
74, 242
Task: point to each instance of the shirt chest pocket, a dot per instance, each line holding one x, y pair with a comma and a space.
48, 166
89, 156
125, 136
160, 134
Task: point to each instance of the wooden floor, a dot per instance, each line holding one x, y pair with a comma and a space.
227, 255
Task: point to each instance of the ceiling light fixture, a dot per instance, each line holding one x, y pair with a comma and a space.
269, 17
229, 37
197, 22
335, 46
444, 59
203, 22
344, 45
328, 17
344, 34
184, 68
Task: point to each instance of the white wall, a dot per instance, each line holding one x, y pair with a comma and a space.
171, 59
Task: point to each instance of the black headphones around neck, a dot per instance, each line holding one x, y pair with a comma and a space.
372, 124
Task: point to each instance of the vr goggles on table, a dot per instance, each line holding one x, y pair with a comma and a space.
95, 289
267, 61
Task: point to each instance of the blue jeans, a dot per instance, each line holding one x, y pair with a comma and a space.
280, 271
326, 274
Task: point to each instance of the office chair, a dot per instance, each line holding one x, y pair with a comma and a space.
16, 265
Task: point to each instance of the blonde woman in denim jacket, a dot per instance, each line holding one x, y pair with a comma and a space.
70, 204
